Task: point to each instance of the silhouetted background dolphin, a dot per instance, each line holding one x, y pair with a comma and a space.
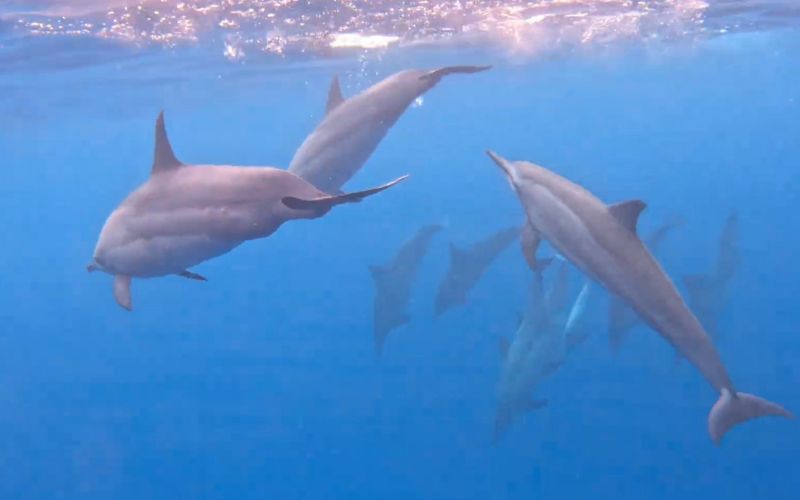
468, 265
353, 128
184, 215
393, 283
603, 242
708, 293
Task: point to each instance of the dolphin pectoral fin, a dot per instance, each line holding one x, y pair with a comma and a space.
324, 203
334, 96
533, 404
437, 74
122, 291
192, 276
627, 213
732, 409
529, 240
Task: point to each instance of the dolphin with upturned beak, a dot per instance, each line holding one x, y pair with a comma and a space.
187, 214
602, 241
352, 128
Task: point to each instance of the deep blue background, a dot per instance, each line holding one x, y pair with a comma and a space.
262, 383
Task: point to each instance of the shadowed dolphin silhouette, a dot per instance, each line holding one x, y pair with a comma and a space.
467, 266
353, 128
602, 241
186, 214
539, 348
708, 293
393, 283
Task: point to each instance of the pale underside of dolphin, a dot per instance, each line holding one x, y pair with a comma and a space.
352, 128
394, 282
602, 241
467, 266
539, 348
186, 214
708, 293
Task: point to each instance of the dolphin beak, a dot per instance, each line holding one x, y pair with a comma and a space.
91, 268
501, 162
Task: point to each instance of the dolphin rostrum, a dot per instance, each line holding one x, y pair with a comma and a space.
186, 214
393, 283
468, 265
602, 241
621, 317
353, 128
539, 348
708, 292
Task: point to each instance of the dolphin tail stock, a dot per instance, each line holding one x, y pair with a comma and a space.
438, 74
732, 409
322, 204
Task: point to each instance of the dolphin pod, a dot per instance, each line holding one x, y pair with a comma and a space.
353, 128
708, 292
468, 265
393, 283
187, 214
602, 241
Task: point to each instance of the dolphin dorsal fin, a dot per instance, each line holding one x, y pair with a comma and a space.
334, 96
627, 213
163, 157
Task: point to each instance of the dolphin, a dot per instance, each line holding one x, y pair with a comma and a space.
602, 241
393, 283
186, 214
353, 128
621, 318
708, 292
539, 348
467, 266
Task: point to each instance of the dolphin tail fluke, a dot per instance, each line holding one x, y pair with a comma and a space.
324, 203
731, 410
438, 74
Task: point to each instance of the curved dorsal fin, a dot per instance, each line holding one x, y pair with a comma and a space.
163, 157
334, 96
627, 213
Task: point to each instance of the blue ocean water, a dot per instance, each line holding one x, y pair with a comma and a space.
263, 383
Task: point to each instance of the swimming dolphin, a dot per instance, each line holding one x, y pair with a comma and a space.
602, 241
708, 292
393, 284
467, 266
353, 128
621, 318
539, 348
186, 214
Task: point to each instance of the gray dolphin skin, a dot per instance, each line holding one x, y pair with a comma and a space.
602, 241
621, 318
708, 293
186, 214
468, 266
353, 128
539, 348
393, 284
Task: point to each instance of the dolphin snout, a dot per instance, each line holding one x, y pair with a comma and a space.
500, 161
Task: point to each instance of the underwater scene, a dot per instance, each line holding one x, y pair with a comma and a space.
434, 249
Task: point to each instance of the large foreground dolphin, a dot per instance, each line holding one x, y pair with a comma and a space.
708, 292
393, 283
186, 214
353, 128
540, 346
602, 241
468, 265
